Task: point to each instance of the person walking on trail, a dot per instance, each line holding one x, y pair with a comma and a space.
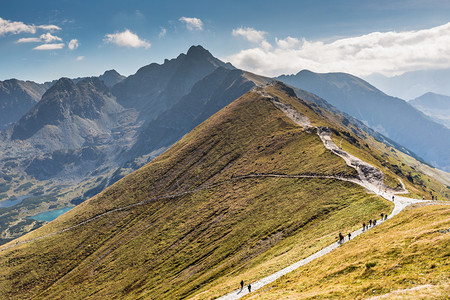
375, 222
364, 226
249, 288
382, 216
393, 197
385, 216
349, 236
341, 238
242, 284
370, 222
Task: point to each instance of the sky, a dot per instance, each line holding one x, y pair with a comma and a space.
45, 40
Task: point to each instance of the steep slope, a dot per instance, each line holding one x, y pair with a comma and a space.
207, 96
203, 214
390, 116
435, 106
404, 258
16, 98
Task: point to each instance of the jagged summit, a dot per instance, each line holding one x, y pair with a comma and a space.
16, 98
111, 77
63, 100
170, 80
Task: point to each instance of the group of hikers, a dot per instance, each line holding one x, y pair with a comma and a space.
371, 223
249, 286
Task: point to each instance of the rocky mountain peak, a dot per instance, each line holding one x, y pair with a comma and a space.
111, 77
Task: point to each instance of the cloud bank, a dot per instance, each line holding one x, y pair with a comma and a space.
127, 39
192, 24
389, 53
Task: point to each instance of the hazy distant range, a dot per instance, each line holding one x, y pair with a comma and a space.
413, 84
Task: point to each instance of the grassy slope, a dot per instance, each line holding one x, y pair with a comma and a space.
204, 241
392, 162
406, 257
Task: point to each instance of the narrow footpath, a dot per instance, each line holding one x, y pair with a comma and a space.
370, 178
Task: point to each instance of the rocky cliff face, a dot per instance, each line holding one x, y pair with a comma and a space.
69, 115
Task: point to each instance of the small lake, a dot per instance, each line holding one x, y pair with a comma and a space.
13, 201
51, 214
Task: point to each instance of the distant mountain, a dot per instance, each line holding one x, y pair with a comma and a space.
390, 116
17, 98
435, 106
154, 88
111, 78
413, 84
70, 114
207, 96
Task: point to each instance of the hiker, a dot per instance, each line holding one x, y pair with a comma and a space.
385, 216
249, 288
242, 284
349, 236
382, 216
370, 222
341, 238
364, 226
392, 197
375, 222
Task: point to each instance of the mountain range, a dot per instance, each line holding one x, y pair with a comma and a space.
390, 116
435, 106
87, 133
84, 135
251, 189
412, 84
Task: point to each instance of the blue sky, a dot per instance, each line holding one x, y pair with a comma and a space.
45, 40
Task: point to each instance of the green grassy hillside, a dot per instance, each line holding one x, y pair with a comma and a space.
190, 224
404, 258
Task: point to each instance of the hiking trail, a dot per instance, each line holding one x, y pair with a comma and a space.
370, 177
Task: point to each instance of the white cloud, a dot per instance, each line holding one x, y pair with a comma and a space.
127, 39
79, 58
162, 33
50, 47
13, 27
389, 53
251, 34
73, 44
49, 27
192, 23
7, 26
287, 43
28, 40
48, 38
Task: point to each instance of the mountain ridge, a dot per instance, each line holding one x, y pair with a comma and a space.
388, 115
